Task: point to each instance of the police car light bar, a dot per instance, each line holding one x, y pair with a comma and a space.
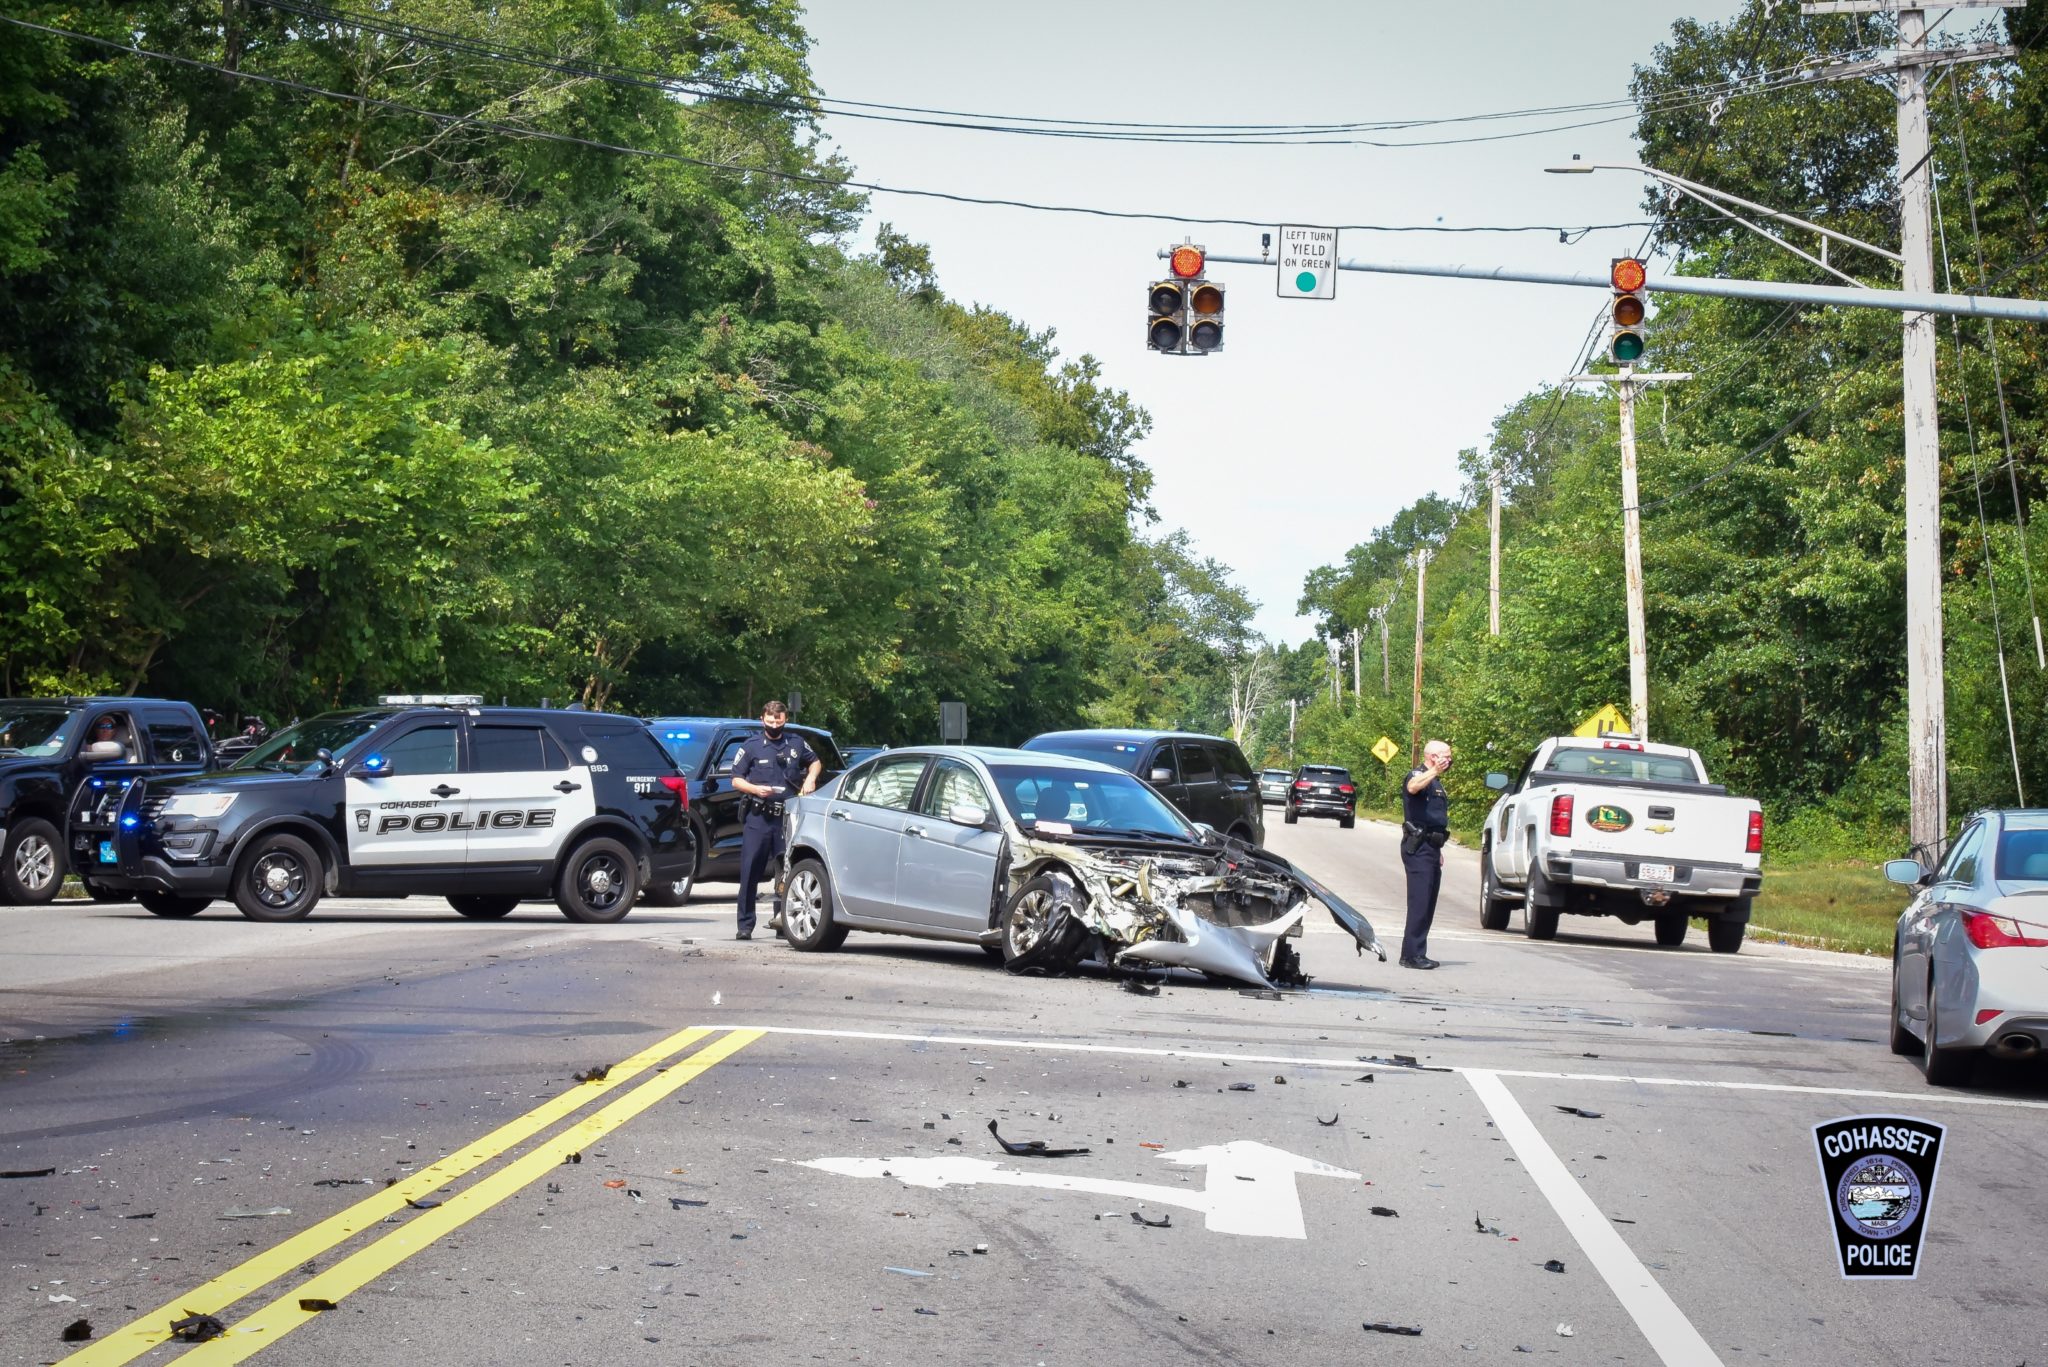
432, 699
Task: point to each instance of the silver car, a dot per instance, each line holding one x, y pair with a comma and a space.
1273, 786
1044, 861
1970, 961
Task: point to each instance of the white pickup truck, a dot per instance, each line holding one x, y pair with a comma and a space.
1613, 826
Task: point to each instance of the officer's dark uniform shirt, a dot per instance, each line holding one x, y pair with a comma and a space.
775, 763
1430, 809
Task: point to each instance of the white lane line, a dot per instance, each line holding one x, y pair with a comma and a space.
1295, 1061
1671, 1335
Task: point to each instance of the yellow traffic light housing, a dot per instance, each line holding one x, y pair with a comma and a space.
1166, 325
1205, 317
1627, 337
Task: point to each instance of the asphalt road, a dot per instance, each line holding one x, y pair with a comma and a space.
789, 1159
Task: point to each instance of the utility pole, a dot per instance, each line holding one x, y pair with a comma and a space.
1493, 573
1415, 724
1336, 670
1293, 707
1357, 661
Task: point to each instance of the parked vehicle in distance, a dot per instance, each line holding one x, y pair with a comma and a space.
1205, 777
436, 794
704, 749
48, 746
1970, 956
1044, 861
1323, 790
1273, 786
1614, 826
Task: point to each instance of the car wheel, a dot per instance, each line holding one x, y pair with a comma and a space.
1493, 911
100, 894
484, 906
1902, 1040
1725, 936
597, 882
1538, 922
1944, 1066
171, 905
1348, 820
279, 878
1671, 928
1042, 930
993, 951
1292, 816
807, 921
32, 868
675, 892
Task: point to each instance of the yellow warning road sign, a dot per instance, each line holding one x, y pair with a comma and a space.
1384, 750
1608, 718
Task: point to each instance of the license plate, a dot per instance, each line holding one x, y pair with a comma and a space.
107, 855
1656, 873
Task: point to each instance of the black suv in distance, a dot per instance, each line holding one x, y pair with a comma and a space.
1323, 790
704, 748
48, 746
435, 795
1205, 777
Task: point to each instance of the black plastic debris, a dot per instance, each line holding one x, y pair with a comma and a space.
1244, 1086
931, 1125
31, 1172
922, 1311
343, 1182
1331, 1121
1180, 1082
1031, 1148
1412, 1331
315, 1304
1482, 1227
596, 1074
1589, 1056
197, 1328
1619, 1221
1580, 1111
1140, 989
1403, 1061
141, 1215
1553, 1265
1279, 1079
576, 1157
1386, 1210
554, 1188
678, 1202
1163, 1222
421, 1202
78, 1331
1363, 1077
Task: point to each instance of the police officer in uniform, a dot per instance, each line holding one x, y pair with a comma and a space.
770, 769
1425, 826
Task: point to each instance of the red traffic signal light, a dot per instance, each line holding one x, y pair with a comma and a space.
1628, 274
1187, 262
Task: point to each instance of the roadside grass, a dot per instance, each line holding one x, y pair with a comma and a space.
1838, 904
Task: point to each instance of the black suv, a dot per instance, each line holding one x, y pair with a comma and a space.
1206, 777
1323, 790
704, 748
48, 746
436, 795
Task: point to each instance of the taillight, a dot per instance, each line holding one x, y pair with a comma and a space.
1561, 814
1301, 785
678, 785
1346, 789
1756, 834
2000, 932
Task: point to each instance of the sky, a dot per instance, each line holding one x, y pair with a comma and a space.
1319, 420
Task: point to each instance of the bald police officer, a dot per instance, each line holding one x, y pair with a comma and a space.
1425, 826
769, 769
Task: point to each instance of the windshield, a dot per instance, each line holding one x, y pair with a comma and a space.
685, 741
1102, 749
296, 748
1061, 801
1275, 775
33, 730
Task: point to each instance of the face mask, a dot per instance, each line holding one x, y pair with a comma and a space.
774, 730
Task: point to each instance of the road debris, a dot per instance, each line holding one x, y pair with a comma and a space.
922, 1311
1244, 1086
906, 1272
1403, 1061
141, 1215
615, 1183
61, 1298
1279, 1079
981, 1248
1553, 1265
1413, 1331
253, 1212
1031, 1148
1163, 1222
197, 1328
1363, 1077
78, 1331
1180, 1082
576, 1157
1386, 1210
1331, 1121
1580, 1111
343, 1182
595, 1074
31, 1172
1564, 1331
678, 1202
422, 1202
1140, 989
315, 1304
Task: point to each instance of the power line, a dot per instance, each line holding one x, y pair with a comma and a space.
1751, 454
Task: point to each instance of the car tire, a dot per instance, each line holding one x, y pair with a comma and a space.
33, 864
1671, 928
1493, 910
597, 882
1042, 930
676, 892
170, 905
1725, 936
993, 951
484, 906
1292, 816
106, 895
807, 920
278, 878
1944, 1067
1348, 820
1902, 1041
1538, 922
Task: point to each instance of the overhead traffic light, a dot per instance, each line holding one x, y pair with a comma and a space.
1184, 315
1167, 326
1205, 318
1626, 336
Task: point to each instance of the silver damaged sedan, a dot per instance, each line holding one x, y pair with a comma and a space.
1045, 862
1970, 960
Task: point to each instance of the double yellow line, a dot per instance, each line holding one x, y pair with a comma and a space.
279, 1317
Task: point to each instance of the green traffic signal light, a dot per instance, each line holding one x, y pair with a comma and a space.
1626, 348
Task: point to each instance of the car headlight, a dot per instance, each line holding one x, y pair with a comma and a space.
203, 805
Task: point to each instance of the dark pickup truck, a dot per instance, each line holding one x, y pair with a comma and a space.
49, 747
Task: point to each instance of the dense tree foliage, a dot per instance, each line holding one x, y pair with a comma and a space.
516, 348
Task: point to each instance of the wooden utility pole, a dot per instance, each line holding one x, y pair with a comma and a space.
1379, 615
1415, 725
1357, 638
1493, 573
1293, 707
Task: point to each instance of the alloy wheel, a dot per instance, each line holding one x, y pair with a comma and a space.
803, 906
35, 864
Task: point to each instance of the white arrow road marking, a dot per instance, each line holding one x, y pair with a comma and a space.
1250, 1190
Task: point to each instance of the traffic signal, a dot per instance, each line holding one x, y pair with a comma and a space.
1205, 318
1167, 326
1627, 310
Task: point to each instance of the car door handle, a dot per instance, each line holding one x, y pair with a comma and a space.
444, 791
567, 787
914, 830
839, 816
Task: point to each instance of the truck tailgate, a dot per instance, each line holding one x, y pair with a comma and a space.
1674, 827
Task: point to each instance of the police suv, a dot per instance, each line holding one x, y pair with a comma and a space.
430, 794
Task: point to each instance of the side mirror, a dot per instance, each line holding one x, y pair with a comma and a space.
1906, 872
1498, 781
101, 751
326, 758
967, 814
1159, 775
